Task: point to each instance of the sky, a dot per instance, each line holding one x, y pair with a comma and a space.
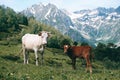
70, 5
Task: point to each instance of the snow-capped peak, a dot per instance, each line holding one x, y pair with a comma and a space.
90, 26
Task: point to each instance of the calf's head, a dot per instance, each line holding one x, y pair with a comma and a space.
66, 48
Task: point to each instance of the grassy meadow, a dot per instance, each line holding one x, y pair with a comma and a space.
57, 66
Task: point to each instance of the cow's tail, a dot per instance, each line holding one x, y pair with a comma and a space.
19, 54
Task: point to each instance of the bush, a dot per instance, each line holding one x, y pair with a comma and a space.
111, 64
103, 51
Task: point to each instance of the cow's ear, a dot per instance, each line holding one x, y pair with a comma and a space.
49, 34
40, 34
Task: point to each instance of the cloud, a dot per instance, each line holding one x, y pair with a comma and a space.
71, 5
58, 3
9, 3
6, 1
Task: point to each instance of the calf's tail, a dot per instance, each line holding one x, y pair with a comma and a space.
91, 55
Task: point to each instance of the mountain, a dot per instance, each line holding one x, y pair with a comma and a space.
118, 10
101, 24
92, 26
50, 15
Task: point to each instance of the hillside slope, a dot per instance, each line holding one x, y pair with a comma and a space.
55, 67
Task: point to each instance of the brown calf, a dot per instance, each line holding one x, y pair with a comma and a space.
79, 52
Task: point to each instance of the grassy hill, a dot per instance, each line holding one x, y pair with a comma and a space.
57, 66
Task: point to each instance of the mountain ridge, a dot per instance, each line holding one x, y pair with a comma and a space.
90, 26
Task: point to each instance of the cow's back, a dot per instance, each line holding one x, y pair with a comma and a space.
31, 41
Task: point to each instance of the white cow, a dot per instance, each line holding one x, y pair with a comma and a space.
34, 42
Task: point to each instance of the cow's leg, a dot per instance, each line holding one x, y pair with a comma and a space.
42, 52
73, 63
27, 56
24, 55
36, 57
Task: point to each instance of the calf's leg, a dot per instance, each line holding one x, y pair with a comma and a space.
88, 64
73, 63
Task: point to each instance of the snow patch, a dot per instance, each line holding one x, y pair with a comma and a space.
93, 12
74, 16
73, 27
103, 38
47, 13
85, 35
54, 20
32, 10
108, 18
118, 44
95, 19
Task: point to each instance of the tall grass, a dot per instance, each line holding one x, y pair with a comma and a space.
57, 66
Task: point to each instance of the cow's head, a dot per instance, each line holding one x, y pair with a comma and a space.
44, 35
66, 48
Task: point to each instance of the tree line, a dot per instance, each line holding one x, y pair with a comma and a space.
107, 52
9, 21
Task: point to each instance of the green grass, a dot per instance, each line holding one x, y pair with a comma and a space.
57, 66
